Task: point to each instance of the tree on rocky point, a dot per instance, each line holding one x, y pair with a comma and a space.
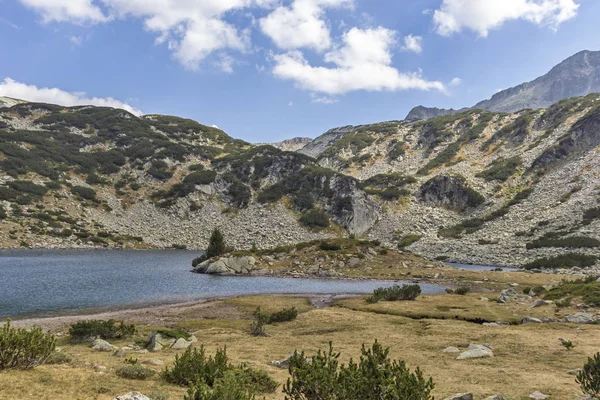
216, 245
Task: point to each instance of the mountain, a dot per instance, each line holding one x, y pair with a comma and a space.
293, 144
578, 75
477, 186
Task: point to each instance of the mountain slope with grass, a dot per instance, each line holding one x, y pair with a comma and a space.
482, 187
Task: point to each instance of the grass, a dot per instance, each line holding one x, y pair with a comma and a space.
526, 355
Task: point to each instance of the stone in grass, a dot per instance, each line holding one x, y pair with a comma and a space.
119, 353
460, 396
495, 397
451, 349
181, 343
132, 396
538, 396
476, 351
102, 345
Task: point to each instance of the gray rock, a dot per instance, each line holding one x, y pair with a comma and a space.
476, 351
495, 397
181, 343
283, 363
153, 362
574, 372
354, 262
119, 353
102, 345
227, 266
580, 318
132, 396
531, 320
539, 303
451, 350
460, 396
538, 396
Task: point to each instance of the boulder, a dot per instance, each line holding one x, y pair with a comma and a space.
538, 396
495, 397
460, 396
283, 363
539, 303
119, 353
102, 345
181, 343
476, 351
227, 266
580, 318
153, 362
132, 396
531, 320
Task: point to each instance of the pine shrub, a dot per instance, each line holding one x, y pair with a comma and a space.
135, 372
395, 293
194, 365
374, 377
101, 329
24, 349
589, 377
285, 315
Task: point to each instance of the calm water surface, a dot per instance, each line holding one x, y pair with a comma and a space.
35, 282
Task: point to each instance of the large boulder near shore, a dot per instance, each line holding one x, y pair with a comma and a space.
103, 345
227, 266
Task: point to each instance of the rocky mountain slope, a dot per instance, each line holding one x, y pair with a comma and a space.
293, 144
478, 186
578, 75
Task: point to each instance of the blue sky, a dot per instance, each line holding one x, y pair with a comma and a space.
267, 70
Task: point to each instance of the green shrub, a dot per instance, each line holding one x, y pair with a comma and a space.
326, 246
587, 288
589, 377
257, 327
567, 260
59, 357
501, 169
591, 215
285, 315
462, 291
136, 372
573, 242
526, 290
200, 178
408, 240
84, 192
374, 377
174, 333
193, 365
395, 293
315, 219
24, 349
255, 380
101, 329
229, 387
28, 187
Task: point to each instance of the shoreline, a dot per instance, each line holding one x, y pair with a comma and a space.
144, 314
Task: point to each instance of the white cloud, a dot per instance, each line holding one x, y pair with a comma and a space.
323, 100
291, 104
413, 43
9, 23
76, 40
301, 24
17, 90
364, 62
225, 63
75, 11
482, 15
455, 82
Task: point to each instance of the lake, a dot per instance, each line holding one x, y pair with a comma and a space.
39, 282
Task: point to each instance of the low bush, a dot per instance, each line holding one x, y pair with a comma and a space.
59, 357
395, 293
200, 178
24, 349
257, 327
408, 240
501, 169
573, 242
567, 260
587, 288
315, 219
462, 291
326, 246
136, 372
194, 365
101, 329
589, 377
84, 192
285, 315
230, 387
375, 376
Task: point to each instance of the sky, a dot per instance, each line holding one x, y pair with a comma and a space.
268, 70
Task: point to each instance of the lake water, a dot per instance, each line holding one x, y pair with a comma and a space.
37, 282
470, 267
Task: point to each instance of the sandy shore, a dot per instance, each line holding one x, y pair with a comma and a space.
164, 314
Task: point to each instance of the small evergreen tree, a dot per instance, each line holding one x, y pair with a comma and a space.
216, 245
589, 377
